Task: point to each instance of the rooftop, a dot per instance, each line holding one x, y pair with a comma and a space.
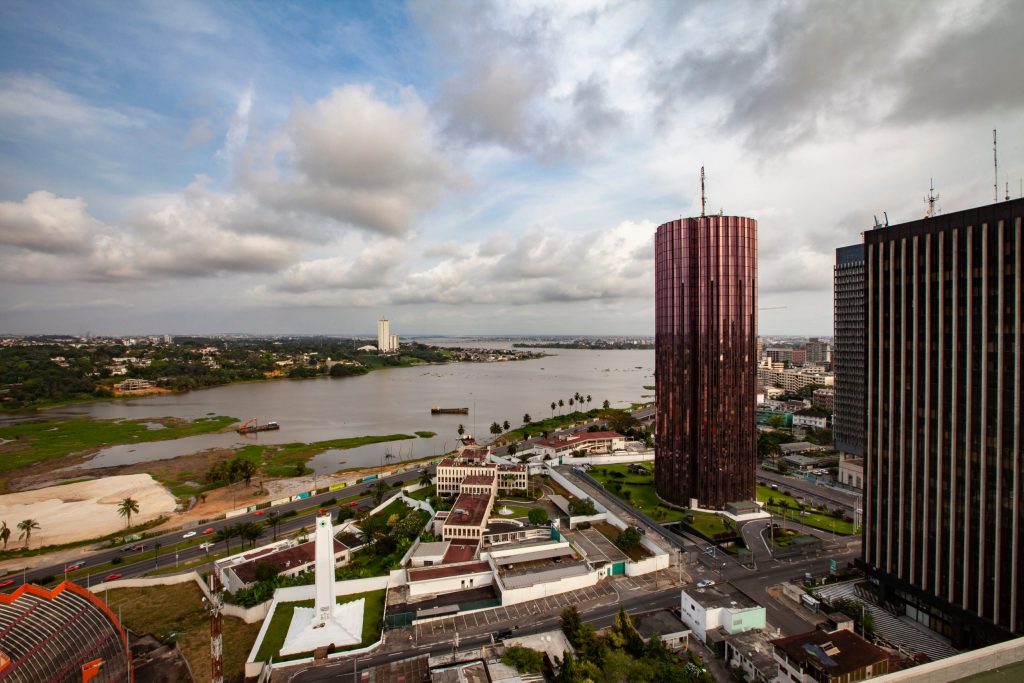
799, 446
281, 560
541, 571
481, 479
576, 439
838, 653
470, 509
448, 570
460, 552
663, 622
719, 596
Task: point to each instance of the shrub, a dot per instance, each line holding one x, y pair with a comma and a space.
523, 659
538, 516
583, 525
265, 571
117, 560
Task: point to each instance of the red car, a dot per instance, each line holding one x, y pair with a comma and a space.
207, 531
353, 503
259, 512
5, 584
73, 567
113, 577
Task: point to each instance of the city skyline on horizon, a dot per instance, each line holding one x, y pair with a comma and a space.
497, 170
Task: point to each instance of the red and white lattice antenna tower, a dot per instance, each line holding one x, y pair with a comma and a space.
703, 196
216, 631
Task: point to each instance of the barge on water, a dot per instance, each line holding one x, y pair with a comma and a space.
449, 411
253, 426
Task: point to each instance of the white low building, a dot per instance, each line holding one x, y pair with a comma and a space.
809, 419
583, 442
719, 606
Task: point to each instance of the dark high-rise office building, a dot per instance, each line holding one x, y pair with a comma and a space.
848, 350
944, 520
705, 367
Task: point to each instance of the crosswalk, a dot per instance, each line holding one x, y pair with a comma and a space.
898, 631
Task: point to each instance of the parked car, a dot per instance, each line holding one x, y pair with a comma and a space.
112, 577
706, 583
207, 531
5, 583
188, 534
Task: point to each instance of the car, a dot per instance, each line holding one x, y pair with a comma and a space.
188, 534
139, 547
73, 567
207, 545
353, 503
706, 583
6, 583
112, 577
207, 531
260, 513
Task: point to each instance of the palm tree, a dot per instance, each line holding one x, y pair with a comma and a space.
571, 401
274, 520
247, 469
225, 534
561, 403
426, 479
126, 508
378, 492
526, 418
506, 425
461, 430
553, 404
589, 399
27, 526
5, 533
249, 531
495, 428
512, 448
606, 405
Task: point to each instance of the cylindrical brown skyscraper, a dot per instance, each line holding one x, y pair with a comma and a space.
705, 337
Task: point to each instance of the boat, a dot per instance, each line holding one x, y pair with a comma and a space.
449, 411
253, 426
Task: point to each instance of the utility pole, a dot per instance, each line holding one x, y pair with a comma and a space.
216, 638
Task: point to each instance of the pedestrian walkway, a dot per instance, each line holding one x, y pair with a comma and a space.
904, 632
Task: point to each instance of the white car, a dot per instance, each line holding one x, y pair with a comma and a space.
189, 534
706, 583
207, 545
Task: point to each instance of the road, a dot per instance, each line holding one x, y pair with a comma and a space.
818, 494
135, 563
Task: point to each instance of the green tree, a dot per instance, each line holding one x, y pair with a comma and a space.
776, 421
426, 479
378, 492
589, 399
461, 430
506, 425
553, 406
538, 516
5, 533
249, 531
523, 659
572, 624
126, 508
526, 418
495, 428
628, 539
619, 421
265, 571
606, 405
246, 470
274, 521
561, 404
582, 507
27, 526
571, 401
225, 534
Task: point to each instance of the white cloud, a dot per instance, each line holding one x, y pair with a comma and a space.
47, 223
35, 102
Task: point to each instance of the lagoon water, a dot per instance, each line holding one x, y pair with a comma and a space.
395, 400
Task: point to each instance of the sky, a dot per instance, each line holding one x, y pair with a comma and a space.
471, 167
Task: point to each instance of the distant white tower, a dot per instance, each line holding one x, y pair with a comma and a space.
327, 623
393, 346
383, 336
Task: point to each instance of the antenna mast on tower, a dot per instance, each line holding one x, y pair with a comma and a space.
930, 201
995, 163
216, 626
703, 197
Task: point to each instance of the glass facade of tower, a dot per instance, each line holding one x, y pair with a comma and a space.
848, 351
705, 365
944, 371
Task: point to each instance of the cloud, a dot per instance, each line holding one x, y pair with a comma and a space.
47, 223
371, 268
355, 159
37, 103
238, 131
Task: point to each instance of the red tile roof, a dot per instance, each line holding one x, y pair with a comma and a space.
474, 507
577, 439
443, 571
459, 553
282, 560
478, 479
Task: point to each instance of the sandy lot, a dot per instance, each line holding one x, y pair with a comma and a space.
85, 509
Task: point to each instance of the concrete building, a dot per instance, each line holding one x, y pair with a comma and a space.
851, 472
810, 418
673, 633
848, 361
287, 557
585, 442
818, 351
943, 501
451, 472
386, 342
705, 345
720, 606
752, 652
837, 657
824, 398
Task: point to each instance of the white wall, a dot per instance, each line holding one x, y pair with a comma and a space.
498, 551
621, 457
449, 584
512, 596
695, 616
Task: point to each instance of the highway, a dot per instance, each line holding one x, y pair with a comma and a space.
136, 563
818, 494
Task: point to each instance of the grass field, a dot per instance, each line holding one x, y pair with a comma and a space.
36, 442
273, 641
550, 424
814, 519
178, 609
517, 511
423, 494
426, 434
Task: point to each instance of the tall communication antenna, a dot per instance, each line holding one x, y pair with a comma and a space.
995, 163
930, 201
216, 637
703, 196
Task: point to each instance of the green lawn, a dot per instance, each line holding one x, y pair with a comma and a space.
636, 490
517, 511
423, 494
550, 424
273, 640
815, 519
426, 434
38, 441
